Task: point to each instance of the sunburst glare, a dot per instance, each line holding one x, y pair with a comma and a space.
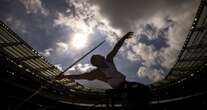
79, 41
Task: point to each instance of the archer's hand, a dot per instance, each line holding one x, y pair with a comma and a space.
128, 35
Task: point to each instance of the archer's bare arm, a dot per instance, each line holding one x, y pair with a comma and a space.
93, 75
118, 45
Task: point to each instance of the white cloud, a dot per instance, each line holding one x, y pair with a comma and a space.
69, 47
47, 52
80, 69
145, 52
62, 47
34, 6
75, 23
133, 56
165, 56
59, 67
151, 74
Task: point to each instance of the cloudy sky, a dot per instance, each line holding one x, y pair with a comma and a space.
63, 30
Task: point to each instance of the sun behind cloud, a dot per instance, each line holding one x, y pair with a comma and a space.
79, 41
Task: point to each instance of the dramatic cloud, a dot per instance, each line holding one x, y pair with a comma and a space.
85, 19
34, 6
57, 29
160, 27
126, 14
